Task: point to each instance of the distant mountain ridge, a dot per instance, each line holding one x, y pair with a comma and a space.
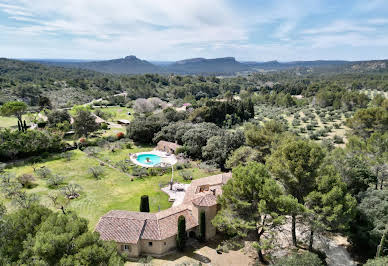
216, 66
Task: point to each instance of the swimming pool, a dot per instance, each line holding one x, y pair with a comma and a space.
148, 159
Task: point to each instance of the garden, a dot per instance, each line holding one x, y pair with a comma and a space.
105, 180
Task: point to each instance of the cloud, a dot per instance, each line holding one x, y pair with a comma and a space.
176, 29
340, 27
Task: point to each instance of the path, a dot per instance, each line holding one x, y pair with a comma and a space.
176, 195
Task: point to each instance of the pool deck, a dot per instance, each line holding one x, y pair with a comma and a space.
165, 158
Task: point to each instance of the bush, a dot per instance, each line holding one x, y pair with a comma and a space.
96, 171
43, 172
54, 181
186, 175
338, 140
179, 166
26, 180
139, 171
16, 145
307, 258
71, 191
208, 167
123, 166
120, 135
104, 126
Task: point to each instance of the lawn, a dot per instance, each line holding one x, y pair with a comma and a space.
118, 112
114, 190
7, 122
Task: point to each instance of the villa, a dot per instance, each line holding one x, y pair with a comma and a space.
140, 233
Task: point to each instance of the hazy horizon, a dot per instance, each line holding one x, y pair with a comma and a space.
174, 30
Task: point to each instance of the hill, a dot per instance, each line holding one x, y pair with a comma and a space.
226, 65
127, 65
275, 65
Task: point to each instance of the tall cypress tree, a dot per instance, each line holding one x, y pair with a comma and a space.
144, 204
181, 236
202, 226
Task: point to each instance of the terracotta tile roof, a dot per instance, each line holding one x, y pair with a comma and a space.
205, 201
161, 144
214, 182
122, 230
129, 227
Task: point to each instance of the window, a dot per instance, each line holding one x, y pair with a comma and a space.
165, 243
126, 248
150, 244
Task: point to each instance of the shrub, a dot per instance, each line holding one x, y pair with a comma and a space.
307, 258
139, 171
54, 181
179, 166
144, 204
123, 165
91, 151
338, 139
43, 172
67, 155
71, 191
186, 175
104, 126
26, 180
208, 167
120, 135
96, 171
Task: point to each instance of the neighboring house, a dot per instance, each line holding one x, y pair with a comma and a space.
139, 233
98, 119
166, 146
123, 122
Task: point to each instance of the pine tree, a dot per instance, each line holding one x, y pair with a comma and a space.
181, 236
144, 204
202, 226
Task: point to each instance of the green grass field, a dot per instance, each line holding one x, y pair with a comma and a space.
7, 122
114, 190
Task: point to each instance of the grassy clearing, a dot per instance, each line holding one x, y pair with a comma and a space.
8, 122
119, 113
114, 190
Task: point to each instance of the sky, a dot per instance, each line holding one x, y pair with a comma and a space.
167, 30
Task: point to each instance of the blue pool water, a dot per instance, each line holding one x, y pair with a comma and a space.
152, 159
